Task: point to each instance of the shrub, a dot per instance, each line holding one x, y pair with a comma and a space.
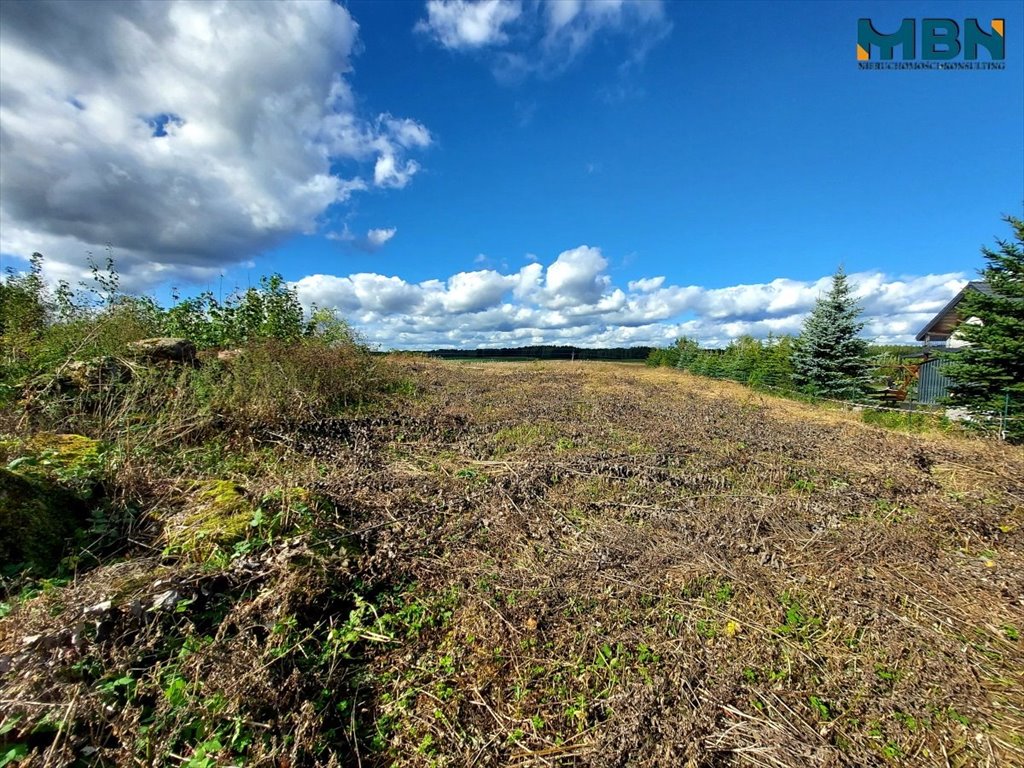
273, 381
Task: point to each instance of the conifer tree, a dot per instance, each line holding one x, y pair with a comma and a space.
741, 358
689, 351
988, 375
775, 367
829, 357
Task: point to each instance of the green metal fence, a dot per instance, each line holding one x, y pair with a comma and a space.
932, 383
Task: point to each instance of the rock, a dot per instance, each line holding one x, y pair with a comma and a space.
99, 609
229, 355
166, 600
73, 462
137, 610
95, 374
163, 350
218, 516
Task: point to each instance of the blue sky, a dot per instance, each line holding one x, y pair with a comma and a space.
513, 172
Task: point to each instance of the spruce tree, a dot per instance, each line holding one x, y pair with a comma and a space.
742, 357
775, 367
829, 357
988, 375
689, 351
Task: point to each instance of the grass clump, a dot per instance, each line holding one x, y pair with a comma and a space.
907, 421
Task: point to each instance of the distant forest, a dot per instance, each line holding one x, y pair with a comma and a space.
545, 353
638, 354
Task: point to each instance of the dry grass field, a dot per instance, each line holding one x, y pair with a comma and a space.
552, 564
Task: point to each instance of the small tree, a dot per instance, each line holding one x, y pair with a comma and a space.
742, 357
689, 350
775, 366
829, 357
988, 375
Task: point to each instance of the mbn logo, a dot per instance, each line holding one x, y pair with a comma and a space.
940, 40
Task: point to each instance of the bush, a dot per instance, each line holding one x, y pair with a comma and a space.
273, 381
270, 311
36, 520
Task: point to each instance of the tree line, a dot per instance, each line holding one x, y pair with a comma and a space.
546, 352
828, 358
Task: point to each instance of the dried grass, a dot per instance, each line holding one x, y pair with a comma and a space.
576, 564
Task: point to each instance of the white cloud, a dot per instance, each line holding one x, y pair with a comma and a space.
406, 133
543, 38
575, 278
391, 172
377, 237
459, 24
572, 300
647, 284
570, 27
186, 135
373, 241
476, 291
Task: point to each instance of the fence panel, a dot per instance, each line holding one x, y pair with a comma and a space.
932, 383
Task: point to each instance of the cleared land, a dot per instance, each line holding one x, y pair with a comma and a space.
555, 564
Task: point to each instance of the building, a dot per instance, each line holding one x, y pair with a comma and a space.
932, 383
942, 327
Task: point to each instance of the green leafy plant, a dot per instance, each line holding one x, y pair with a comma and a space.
820, 707
798, 622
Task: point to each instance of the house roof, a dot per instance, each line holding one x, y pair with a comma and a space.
941, 327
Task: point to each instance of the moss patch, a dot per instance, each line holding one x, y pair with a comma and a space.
219, 517
74, 462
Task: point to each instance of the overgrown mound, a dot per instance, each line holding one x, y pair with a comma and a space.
144, 503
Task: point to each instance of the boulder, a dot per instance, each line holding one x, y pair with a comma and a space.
95, 374
73, 462
163, 350
218, 516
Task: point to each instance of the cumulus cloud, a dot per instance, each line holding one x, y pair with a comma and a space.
646, 284
572, 300
475, 291
546, 37
458, 24
575, 278
377, 237
187, 136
